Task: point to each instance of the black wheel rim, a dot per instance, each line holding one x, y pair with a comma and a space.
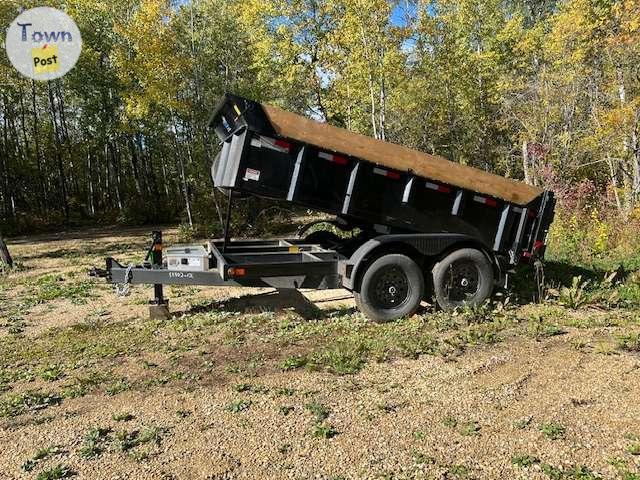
390, 287
462, 281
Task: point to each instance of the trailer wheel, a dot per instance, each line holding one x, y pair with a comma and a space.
464, 277
392, 287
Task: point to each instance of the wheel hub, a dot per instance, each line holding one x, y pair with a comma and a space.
390, 287
463, 280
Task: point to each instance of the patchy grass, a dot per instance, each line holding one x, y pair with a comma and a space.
53, 286
629, 343
237, 406
211, 340
122, 417
13, 404
524, 461
56, 473
553, 431
95, 442
41, 454
320, 412
324, 430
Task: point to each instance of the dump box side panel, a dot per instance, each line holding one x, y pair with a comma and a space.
339, 140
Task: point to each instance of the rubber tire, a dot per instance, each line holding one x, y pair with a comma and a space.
323, 237
415, 280
485, 278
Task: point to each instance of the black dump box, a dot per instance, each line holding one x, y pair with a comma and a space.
373, 184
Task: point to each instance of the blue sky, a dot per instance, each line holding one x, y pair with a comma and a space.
399, 14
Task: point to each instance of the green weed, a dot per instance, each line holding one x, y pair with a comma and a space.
125, 441
524, 461
51, 373
470, 429
553, 431
450, 422
56, 473
117, 387
629, 343
14, 404
323, 430
237, 406
122, 417
286, 409
94, 442
40, 454
634, 449
319, 411
292, 363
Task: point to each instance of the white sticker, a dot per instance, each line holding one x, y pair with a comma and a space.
251, 174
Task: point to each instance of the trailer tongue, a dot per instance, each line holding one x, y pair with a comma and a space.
427, 227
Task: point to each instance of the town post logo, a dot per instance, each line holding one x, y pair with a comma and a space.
43, 43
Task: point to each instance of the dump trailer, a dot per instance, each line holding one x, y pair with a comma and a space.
410, 226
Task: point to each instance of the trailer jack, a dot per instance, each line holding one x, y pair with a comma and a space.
159, 306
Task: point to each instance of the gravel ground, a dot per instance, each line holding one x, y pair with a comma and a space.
390, 419
467, 416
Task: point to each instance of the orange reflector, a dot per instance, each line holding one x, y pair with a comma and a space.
157, 247
236, 272
294, 249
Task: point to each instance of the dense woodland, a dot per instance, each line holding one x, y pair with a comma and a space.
539, 90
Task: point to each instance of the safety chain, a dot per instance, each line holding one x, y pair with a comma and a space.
123, 289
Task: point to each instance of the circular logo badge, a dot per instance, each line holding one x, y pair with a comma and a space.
43, 43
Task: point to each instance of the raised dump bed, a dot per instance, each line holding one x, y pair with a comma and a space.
366, 182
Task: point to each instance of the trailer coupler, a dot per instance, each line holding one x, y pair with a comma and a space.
98, 272
159, 305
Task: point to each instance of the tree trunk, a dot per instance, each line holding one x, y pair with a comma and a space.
36, 139
5, 257
92, 207
614, 183
61, 171
525, 162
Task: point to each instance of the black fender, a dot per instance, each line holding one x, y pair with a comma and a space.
424, 244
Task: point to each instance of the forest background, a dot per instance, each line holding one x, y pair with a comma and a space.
543, 91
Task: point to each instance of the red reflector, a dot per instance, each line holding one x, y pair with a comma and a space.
443, 189
393, 175
537, 245
236, 272
283, 144
491, 202
339, 160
